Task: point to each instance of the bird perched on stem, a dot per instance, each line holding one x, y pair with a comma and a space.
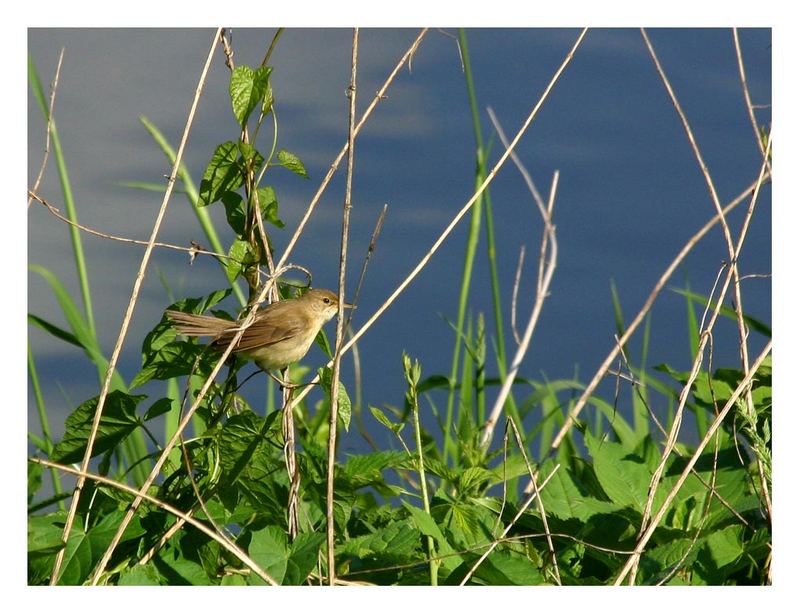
280, 335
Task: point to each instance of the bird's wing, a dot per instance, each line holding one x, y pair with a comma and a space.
269, 328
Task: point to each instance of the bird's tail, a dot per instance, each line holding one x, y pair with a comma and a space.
195, 325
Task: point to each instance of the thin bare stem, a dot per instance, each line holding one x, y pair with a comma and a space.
548, 244
337, 358
515, 295
49, 130
526, 176
192, 251
748, 102
373, 242
129, 314
184, 517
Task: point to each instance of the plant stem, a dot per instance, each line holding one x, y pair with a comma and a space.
433, 564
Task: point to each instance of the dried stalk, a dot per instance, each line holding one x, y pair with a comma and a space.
337, 358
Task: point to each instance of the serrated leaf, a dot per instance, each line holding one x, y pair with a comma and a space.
623, 476
366, 467
223, 174
427, 526
473, 477
398, 539
239, 440
562, 498
117, 422
288, 160
247, 88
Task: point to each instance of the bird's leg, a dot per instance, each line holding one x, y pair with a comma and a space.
286, 385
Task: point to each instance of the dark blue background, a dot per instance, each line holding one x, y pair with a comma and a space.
630, 191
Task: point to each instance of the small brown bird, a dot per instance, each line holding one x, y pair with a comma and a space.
281, 334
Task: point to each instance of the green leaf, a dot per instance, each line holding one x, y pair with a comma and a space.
243, 444
54, 330
473, 478
141, 575
427, 526
345, 406
248, 87
269, 206
725, 546
303, 557
240, 257
44, 542
398, 539
381, 417
84, 549
292, 162
563, 499
117, 422
160, 407
269, 547
433, 382
81, 332
163, 356
234, 211
750, 322
506, 568
222, 174
178, 569
624, 477
34, 480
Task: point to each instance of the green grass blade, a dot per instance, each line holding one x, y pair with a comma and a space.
69, 201
46, 443
206, 223
751, 322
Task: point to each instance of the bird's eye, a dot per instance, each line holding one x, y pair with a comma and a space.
326, 300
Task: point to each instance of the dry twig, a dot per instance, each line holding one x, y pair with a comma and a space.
49, 130
337, 357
